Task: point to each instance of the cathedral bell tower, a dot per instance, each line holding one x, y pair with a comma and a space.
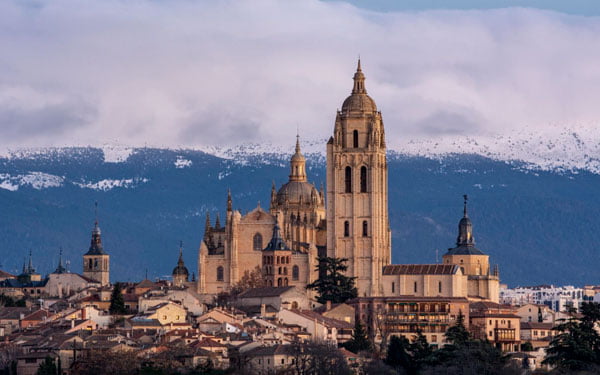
96, 264
357, 190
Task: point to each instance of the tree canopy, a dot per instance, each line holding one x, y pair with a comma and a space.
333, 285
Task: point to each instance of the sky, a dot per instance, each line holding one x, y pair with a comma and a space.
185, 73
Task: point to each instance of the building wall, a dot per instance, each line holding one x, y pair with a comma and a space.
454, 285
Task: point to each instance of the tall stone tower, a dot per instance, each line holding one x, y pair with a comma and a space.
96, 262
357, 190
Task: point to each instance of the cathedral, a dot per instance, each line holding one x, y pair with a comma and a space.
349, 220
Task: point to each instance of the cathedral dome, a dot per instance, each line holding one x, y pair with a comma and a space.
296, 191
359, 101
180, 270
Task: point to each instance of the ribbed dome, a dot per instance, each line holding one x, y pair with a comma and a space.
180, 270
294, 190
359, 103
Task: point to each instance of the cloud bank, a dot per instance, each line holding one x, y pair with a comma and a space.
185, 74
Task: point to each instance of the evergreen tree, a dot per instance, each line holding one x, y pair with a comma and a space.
332, 285
359, 341
458, 334
48, 367
577, 346
398, 353
117, 303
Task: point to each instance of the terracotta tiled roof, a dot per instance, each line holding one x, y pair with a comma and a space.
420, 269
265, 292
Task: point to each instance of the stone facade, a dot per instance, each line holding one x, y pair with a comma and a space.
354, 225
357, 195
96, 262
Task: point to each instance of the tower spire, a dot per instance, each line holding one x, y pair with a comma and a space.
30, 268
465, 228
298, 164
229, 201
359, 81
60, 268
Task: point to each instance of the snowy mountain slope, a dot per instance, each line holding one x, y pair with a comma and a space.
539, 225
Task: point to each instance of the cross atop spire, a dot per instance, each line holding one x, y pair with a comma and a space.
60, 268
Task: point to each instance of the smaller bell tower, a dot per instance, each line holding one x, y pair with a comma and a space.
96, 262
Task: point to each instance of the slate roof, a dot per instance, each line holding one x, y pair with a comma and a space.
420, 269
465, 250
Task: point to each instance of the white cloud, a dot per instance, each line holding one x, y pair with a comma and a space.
185, 73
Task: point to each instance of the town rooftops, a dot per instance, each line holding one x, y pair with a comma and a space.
265, 292
420, 269
536, 325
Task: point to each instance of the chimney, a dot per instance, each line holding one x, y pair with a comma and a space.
328, 305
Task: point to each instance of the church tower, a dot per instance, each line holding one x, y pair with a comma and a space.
357, 193
180, 272
96, 263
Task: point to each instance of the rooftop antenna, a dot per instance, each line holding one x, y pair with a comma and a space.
96, 212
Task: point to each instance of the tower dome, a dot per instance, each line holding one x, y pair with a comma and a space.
181, 269
297, 190
359, 101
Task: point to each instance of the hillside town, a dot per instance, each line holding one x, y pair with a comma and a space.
304, 287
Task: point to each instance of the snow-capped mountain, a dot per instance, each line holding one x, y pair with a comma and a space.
534, 201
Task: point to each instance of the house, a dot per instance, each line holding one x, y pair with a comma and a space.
538, 334
215, 320
35, 318
320, 328
531, 312
338, 311
270, 359
29, 363
288, 297
165, 313
499, 324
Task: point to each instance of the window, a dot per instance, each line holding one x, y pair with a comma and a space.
285, 270
282, 361
393, 287
355, 139
363, 179
439, 286
348, 180
346, 229
279, 282
219, 273
295, 273
257, 242
90, 264
96, 263
415, 286
365, 229
285, 282
433, 338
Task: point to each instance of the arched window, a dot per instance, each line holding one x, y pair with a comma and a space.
348, 180
90, 264
295, 273
294, 305
346, 229
285, 282
365, 229
219, 273
355, 139
257, 242
439, 286
285, 270
363, 179
96, 263
279, 282
270, 283
415, 286
279, 271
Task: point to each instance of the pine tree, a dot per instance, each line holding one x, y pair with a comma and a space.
332, 285
48, 367
458, 334
117, 303
359, 342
